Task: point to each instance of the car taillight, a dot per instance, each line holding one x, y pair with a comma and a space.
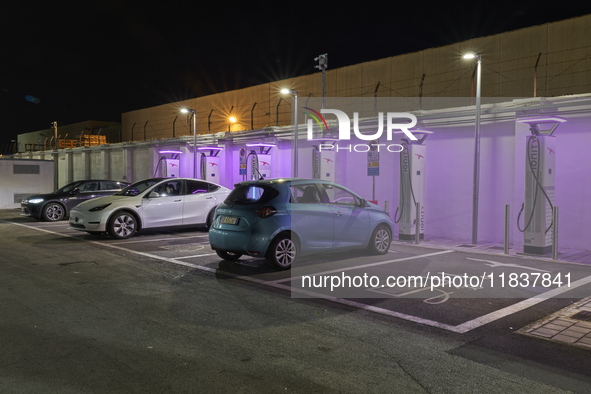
265, 212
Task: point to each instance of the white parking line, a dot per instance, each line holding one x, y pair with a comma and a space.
377, 263
197, 255
460, 328
152, 240
498, 314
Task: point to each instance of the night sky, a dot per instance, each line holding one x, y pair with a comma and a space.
93, 60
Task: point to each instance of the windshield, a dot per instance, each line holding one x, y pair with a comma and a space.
138, 187
68, 188
251, 194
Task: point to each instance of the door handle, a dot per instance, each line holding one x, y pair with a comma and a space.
208, 198
338, 213
177, 200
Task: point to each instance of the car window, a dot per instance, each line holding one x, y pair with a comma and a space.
251, 194
111, 185
68, 188
138, 187
196, 187
169, 188
305, 194
89, 187
339, 196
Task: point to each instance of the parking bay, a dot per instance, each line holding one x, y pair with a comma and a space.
454, 308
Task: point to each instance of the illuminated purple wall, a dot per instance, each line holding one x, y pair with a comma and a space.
449, 179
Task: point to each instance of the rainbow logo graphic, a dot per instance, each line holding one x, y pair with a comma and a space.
317, 117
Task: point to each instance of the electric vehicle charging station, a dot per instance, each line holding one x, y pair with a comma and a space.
210, 163
171, 167
412, 187
323, 160
540, 184
260, 162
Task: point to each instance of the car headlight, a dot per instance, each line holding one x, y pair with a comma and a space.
34, 201
99, 208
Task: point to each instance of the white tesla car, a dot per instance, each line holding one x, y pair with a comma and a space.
151, 203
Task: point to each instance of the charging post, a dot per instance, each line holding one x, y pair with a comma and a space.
540, 163
410, 219
210, 163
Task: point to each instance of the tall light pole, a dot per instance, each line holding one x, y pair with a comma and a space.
294, 169
192, 111
476, 55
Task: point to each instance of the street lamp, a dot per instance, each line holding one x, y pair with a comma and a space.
232, 119
294, 170
476, 55
192, 111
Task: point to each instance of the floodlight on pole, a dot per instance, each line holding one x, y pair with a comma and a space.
322, 66
476, 55
194, 113
294, 170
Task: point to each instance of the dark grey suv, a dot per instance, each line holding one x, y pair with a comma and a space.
56, 206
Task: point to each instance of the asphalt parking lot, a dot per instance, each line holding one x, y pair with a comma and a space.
162, 312
477, 300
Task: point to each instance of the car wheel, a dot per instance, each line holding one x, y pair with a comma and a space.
380, 240
282, 252
122, 225
209, 221
53, 212
230, 256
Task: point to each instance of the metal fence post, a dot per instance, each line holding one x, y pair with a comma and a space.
555, 233
507, 208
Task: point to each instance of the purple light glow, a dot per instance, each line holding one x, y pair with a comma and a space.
414, 131
209, 148
543, 119
170, 151
262, 144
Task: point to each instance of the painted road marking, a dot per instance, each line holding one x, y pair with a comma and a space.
494, 264
153, 240
375, 264
460, 328
197, 255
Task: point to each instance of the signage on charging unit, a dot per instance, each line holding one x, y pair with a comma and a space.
242, 170
373, 159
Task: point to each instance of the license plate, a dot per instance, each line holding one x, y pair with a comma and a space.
229, 220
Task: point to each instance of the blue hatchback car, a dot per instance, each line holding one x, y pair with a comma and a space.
282, 219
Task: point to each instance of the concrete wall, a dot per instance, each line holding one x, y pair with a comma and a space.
12, 184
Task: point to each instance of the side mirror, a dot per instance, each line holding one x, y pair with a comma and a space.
153, 195
362, 202
74, 191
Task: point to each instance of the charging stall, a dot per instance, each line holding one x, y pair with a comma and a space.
210, 163
540, 161
323, 160
412, 186
258, 159
169, 160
